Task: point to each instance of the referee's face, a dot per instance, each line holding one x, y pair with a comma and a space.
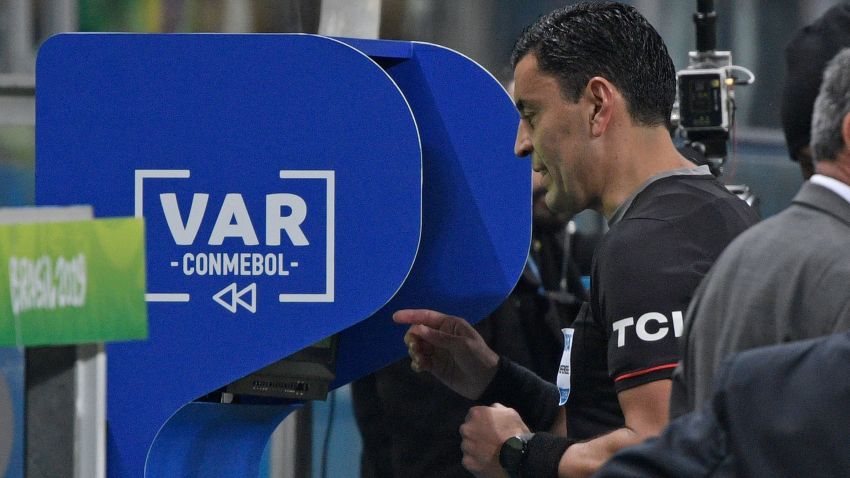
552, 131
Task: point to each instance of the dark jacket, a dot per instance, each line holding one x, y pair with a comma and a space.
776, 411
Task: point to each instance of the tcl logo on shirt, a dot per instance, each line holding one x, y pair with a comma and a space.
649, 327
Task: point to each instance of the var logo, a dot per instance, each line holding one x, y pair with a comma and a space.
234, 221
283, 239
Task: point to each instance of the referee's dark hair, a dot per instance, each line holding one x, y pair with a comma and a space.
610, 40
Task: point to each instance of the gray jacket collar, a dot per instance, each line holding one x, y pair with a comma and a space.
818, 197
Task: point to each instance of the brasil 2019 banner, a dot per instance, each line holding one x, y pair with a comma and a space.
72, 282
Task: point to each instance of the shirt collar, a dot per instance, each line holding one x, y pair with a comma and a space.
623, 208
833, 185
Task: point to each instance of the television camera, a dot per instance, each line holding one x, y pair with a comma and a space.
704, 111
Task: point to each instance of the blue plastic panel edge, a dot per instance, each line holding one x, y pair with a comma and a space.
476, 201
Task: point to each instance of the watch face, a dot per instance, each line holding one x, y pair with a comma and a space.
511, 453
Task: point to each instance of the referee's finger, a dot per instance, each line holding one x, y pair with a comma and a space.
431, 318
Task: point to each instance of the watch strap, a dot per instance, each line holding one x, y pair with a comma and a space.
543, 454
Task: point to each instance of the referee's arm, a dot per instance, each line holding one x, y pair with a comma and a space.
646, 410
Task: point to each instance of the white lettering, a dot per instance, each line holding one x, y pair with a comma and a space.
183, 234
241, 264
620, 327
233, 209
214, 264
233, 219
245, 267
201, 264
291, 223
231, 264
71, 279
677, 323
641, 327
256, 264
187, 269
38, 284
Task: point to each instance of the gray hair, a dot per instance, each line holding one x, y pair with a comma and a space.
831, 106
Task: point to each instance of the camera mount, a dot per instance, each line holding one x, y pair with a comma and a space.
704, 111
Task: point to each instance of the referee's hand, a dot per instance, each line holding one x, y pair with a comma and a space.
450, 349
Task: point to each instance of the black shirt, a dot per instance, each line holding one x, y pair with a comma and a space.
644, 274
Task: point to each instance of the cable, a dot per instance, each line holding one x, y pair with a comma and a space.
327, 440
749, 81
734, 160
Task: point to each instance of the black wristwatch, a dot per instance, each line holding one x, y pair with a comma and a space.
513, 452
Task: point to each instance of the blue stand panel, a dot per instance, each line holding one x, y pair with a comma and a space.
294, 187
476, 225
200, 436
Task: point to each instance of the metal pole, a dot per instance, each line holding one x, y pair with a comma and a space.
290, 448
350, 19
19, 36
59, 16
237, 16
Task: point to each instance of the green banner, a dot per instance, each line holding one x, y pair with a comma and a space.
72, 282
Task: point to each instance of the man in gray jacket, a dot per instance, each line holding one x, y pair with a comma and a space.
787, 278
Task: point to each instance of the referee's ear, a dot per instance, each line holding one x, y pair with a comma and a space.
605, 98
